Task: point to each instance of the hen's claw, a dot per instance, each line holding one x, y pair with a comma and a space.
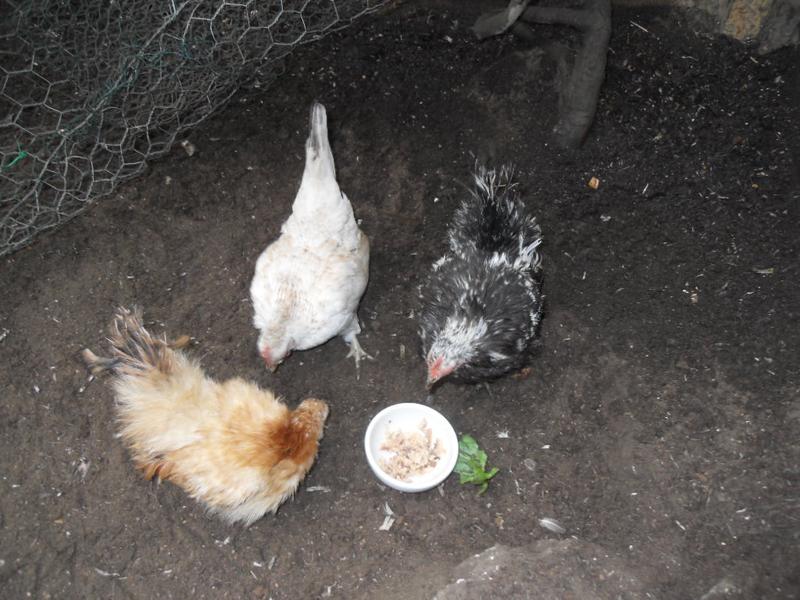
522, 373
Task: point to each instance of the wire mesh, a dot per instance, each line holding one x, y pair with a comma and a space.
92, 89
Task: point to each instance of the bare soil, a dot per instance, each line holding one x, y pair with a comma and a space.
660, 422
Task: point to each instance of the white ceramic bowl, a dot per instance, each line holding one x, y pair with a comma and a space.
408, 416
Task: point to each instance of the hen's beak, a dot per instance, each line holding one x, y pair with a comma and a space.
437, 370
271, 365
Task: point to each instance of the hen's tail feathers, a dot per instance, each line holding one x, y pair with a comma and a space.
319, 157
494, 219
133, 349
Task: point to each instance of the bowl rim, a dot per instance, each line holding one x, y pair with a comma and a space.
406, 486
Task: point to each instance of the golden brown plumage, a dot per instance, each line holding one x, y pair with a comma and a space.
232, 446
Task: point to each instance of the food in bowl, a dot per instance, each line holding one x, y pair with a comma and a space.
389, 453
413, 452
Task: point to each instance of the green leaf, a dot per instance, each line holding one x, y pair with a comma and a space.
471, 465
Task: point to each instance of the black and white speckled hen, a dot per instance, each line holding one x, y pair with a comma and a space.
482, 302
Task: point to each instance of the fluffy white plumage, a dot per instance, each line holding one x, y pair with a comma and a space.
308, 282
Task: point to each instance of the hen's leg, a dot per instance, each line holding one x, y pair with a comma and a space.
356, 351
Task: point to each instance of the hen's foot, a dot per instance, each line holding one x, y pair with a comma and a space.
522, 373
357, 352
180, 342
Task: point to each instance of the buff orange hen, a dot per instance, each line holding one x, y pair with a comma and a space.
232, 446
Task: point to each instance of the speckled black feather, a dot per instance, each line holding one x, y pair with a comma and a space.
493, 218
491, 275
502, 297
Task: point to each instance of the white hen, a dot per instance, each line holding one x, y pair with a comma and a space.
309, 281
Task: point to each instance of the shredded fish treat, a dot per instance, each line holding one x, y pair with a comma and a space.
413, 452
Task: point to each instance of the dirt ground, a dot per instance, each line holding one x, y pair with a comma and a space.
661, 420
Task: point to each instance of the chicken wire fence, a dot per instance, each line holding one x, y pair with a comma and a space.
92, 89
